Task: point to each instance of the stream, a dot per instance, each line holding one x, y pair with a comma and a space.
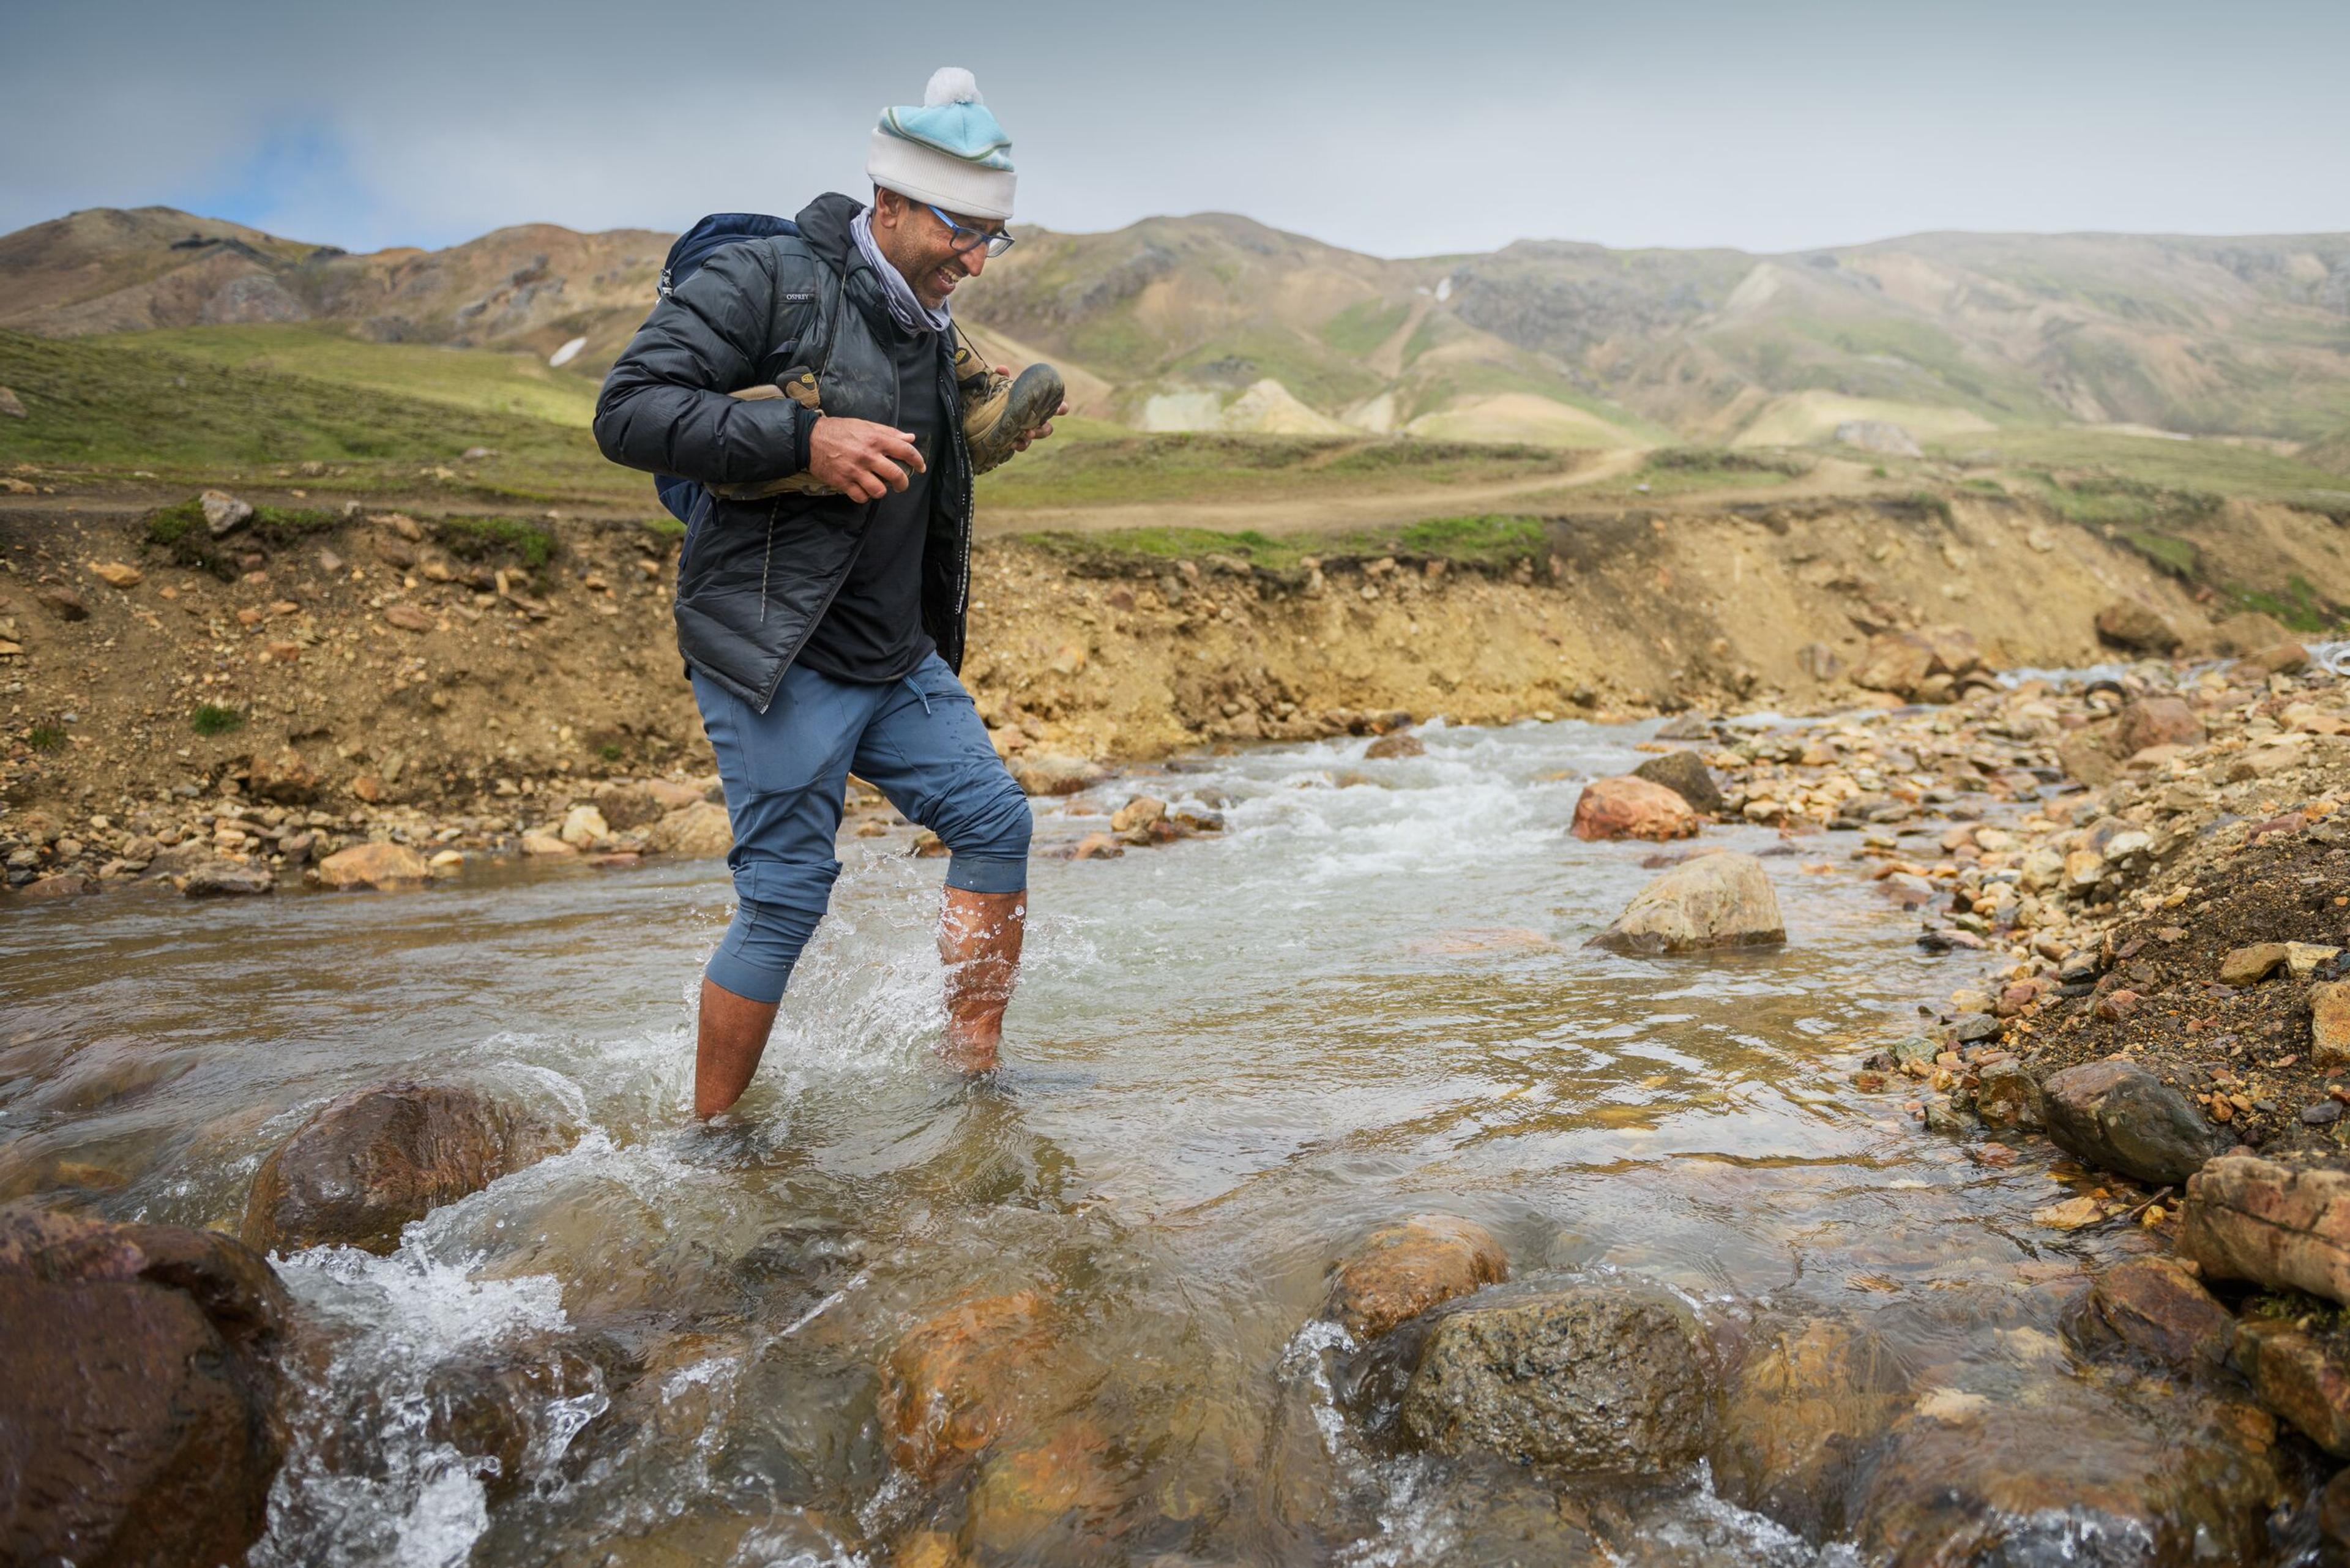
1231, 1059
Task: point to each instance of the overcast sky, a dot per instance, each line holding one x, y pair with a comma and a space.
1402, 130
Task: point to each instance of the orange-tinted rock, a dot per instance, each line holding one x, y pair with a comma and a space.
1405, 1268
370, 1162
2296, 1377
381, 866
2157, 1309
2155, 721
2246, 1218
2135, 628
955, 1380
1800, 1416
1632, 807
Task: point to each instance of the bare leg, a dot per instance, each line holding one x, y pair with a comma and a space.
733, 1037
979, 942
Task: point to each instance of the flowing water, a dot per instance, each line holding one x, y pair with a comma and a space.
1232, 1058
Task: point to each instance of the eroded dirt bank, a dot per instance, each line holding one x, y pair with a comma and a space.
482, 675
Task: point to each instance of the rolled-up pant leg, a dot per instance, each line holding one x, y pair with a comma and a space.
927, 751
786, 772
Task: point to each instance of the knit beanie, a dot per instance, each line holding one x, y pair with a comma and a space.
949, 152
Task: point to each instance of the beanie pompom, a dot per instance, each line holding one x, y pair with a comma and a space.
951, 84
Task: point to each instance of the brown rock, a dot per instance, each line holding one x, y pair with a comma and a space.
1402, 743
2297, 1378
627, 806
407, 616
2248, 632
546, 846
1047, 1499
2155, 721
2135, 628
62, 602
1801, 1414
1708, 901
1632, 807
1096, 847
368, 787
370, 1162
2282, 658
1405, 1268
1686, 774
118, 574
1046, 774
380, 865
137, 1392
674, 794
2157, 1309
2251, 965
58, 885
2118, 1115
2329, 1024
700, 829
2088, 756
1139, 813
955, 1381
227, 878
2279, 1225
1895, 661
283, 777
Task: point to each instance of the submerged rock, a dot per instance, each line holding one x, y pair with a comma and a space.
2283, 1226
2116, 1115
1801, 1417
1402, 743
955, 1381
137, 1391
2107, 1469
2159, 1309
1609, 1377
1405, 1269
1710, 901
370, 1162
1686, 774
1632, 807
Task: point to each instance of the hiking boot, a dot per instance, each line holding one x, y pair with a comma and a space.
997, 411
799, 386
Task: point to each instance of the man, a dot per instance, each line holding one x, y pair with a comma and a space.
808, 384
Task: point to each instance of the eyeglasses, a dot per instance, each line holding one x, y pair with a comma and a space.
965, 241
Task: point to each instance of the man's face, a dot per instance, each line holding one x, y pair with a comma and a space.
923, 249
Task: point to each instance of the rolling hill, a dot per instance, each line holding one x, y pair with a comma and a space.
1218, 322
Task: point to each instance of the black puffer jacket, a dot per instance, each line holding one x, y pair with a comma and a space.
757, 576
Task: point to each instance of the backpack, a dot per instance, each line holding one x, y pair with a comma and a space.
685, 257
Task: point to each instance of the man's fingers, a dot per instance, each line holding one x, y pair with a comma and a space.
899, 447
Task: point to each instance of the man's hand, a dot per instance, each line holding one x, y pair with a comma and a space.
862, 460
1041, 431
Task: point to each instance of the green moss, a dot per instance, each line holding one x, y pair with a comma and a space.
2300, 608
497, 539
45, 737
2178, 558
2317, 1313
609, 751
212, 719
1476, 538
180, 532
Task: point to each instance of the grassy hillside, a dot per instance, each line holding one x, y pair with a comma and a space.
480, 380
98, 406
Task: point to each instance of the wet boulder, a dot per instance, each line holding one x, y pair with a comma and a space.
139, 1391
1632, 807
1801, 1414
1708, 901
1611, 1377
382, 866
367, 1164
2160, 1311
1047, 1498
2116, 1115
1048, 774
956, 1381
1402, 743
1403, 1270
228, 879
1686, 774
2285, 1226
2008, 1095
2300, 1377
512, 1409
2100, 1467
625, 805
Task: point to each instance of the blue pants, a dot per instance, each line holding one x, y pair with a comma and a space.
919, 741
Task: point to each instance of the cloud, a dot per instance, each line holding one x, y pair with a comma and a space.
1391, 128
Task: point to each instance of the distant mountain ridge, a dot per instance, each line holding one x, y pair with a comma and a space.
1217, 321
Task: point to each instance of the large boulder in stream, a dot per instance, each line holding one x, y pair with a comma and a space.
1686, 774
1403, 1270
367, 1164
961, 1378
1708, 901
2116, 1115
1801, 1417
1613, 1378
1632, 807
139, 1392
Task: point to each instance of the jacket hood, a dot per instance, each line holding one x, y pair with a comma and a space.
824, 228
